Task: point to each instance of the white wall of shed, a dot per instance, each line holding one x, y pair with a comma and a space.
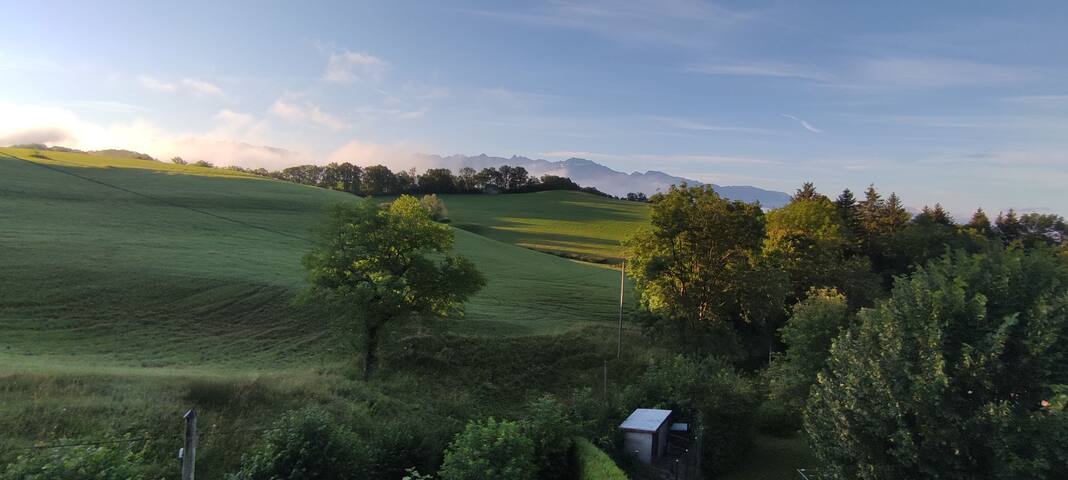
639, 444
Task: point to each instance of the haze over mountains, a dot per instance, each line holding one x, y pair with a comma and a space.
592, 174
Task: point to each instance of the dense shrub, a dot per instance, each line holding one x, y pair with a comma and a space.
306, 445
592, 464
808, 333
436, 207
774, 418
725, 420
598, 418
550, 428
490, 449
105, 462
396, 447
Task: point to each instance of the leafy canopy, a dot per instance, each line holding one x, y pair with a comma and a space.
490, 449
952, 376
697, 266
808, 333
376, 265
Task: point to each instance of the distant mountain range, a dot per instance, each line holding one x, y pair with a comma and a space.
592, 174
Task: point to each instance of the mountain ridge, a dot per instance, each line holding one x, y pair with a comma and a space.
589, 173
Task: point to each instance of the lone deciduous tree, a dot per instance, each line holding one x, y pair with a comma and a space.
378, 264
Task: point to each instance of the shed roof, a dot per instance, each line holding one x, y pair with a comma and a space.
645, 420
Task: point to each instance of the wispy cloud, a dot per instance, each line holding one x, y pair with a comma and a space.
935, 72
775, 70
305, 112
156, 85
806, 125
201, 87
507, 97
672, 22
11, 63
103, 106
687, 124
1042, 101
348, 67
378, 114
662, 161
189, 85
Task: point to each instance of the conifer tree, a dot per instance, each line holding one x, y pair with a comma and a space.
849, 212
807, 192
894, 215
939, 215
1008, 225
980, 223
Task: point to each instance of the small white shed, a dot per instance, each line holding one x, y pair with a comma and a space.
645, 433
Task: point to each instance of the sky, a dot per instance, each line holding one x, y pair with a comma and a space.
959, 102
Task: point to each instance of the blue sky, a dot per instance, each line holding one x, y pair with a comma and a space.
963, 103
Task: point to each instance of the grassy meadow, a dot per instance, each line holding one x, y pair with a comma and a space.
134, 290
571, 224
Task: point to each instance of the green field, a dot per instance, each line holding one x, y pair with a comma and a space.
572, 224
133, 290
114, 246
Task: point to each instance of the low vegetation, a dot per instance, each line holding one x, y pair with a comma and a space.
593, 464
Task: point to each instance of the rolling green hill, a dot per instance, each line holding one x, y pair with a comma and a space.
132, 290
113, 259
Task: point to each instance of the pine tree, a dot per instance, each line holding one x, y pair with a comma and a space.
981, 223
936, 216
869, 214
939, 215
1009, 226
807, 192
849, 212
894, 215
871, 208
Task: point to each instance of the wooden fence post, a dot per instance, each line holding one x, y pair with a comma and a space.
189, 453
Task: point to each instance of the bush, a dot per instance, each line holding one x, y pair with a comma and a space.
436, 207
725, 420
106, 462
489, 449
774, 418
306, 445
397, 447
808, 333
550, 429
592, 464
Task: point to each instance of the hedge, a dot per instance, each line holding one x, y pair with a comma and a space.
593, 464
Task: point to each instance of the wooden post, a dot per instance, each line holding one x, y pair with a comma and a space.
622, 279
189, 453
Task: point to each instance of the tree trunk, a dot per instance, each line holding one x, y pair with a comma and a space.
370, 352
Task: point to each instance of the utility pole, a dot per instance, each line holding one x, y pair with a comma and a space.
622, 279
189, 453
